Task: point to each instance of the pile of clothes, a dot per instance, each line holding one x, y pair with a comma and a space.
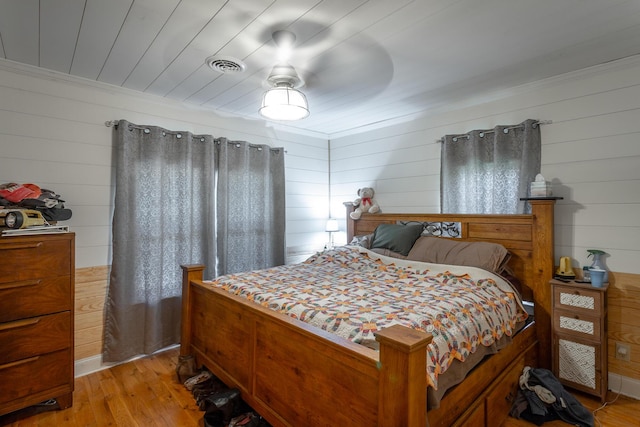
541, 398
31, 196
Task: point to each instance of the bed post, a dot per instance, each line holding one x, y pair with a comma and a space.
543, 265
402, 389
350, 223
189, 273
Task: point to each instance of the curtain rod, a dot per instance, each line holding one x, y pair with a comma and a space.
114, 123
505, 130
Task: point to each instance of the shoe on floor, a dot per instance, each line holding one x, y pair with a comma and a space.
221, 407
245, 420
197, 379
207, 388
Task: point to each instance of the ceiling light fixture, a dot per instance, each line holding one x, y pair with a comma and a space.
283, 101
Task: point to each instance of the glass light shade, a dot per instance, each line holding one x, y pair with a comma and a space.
284, 103
332, 225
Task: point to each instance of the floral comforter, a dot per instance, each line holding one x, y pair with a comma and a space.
353, 293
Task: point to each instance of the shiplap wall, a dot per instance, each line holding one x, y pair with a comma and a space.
590, 153
53, 133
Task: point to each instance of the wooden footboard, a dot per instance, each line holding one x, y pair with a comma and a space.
298, 375
295, 374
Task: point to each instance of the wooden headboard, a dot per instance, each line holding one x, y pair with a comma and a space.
529, 239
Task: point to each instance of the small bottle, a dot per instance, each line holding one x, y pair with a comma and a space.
586, 276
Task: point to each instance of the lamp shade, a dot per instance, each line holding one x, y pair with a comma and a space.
332, 225
284, 103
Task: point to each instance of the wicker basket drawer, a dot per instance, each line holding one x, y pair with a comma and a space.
576, 324
576, 299
26, 258
30, 337
579, 364
35, 297
35, 375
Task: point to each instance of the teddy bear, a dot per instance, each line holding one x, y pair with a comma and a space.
364, 203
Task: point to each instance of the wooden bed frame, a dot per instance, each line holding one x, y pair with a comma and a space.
296, 375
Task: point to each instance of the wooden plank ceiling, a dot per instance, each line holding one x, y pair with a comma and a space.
362, 62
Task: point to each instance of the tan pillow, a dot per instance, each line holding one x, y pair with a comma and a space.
388, 252
489, 256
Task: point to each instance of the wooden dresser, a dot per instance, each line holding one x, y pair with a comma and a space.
36, 320
580, 336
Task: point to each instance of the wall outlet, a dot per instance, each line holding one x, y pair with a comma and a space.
623, 352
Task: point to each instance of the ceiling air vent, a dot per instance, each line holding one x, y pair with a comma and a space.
225, 64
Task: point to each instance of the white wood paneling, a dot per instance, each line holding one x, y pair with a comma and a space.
20, 45
101, 23
590, 153
52, 133
365, 64
227, 20
144, 21
59, 27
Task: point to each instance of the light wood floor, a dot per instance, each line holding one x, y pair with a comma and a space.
624, 412
141, 393
145, 393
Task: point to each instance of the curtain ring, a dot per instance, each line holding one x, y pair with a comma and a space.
505, 130
146, 130
178, 135
481, 134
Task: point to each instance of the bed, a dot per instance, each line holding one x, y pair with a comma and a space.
296, 374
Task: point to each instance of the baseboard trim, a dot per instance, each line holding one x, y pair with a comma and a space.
624, 385
92, 364
88, 365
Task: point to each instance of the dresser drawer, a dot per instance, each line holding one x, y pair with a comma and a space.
35, 297
577, 324
33, 258
30, 337
34, 375
575, 299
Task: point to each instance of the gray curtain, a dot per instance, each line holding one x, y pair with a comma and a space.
165, 215
488, 171
251, 206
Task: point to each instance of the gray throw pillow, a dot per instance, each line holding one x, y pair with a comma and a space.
395, 237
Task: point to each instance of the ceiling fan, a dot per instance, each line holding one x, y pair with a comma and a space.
283, 100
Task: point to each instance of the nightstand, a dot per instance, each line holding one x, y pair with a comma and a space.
579, 313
